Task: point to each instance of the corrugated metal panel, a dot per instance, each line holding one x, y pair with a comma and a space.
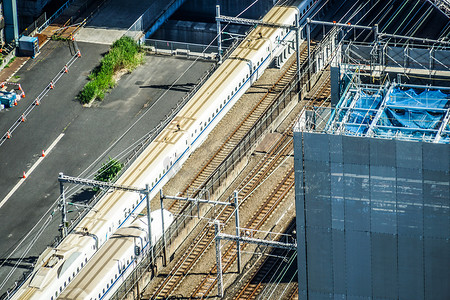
384, 266
437, 264
367, 217
320, 270
358, 263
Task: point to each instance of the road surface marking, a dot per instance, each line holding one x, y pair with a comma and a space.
40, 159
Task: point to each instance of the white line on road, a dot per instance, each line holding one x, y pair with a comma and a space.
22, 180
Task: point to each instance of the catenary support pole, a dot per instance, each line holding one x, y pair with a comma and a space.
218, 260
238, 243
219, 34
308, 37
149, 220
297, 50
63, 208
161, 197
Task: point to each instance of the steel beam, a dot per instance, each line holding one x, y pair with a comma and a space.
96, 183
243, 239
251, 22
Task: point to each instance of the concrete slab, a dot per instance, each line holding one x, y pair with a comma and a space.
90, 136
114, 19
99, 35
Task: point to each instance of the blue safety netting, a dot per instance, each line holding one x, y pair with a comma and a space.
406, 113
358, 120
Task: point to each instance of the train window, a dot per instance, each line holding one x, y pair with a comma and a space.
164, 171
51, 298
209, 119
232, 93
268, 49
56, 294
186, 142
73, 274
65, 284
217, 110
128, 262
85, 259
81, 264
112, 281
201, 128
213, 115
258, 63
195, 130
261, 59
60, 289
228, 98
107, 286
220, 106
159, 175
115, 277
247, 76
99, 295
103, 291
78, 269
240, 84
235, 89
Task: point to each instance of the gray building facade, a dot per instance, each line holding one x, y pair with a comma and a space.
373, 219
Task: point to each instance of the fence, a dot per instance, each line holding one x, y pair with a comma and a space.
213, 182
30, 30
177, 48
54, 16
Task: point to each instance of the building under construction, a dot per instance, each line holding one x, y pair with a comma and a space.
372, 174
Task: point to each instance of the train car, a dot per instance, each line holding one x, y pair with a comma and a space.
110, 266
170, 149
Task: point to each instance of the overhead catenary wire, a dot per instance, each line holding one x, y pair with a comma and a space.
73, 190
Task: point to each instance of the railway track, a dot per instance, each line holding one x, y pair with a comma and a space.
205, 239
294, 294
236, 136
230, 254
262, 271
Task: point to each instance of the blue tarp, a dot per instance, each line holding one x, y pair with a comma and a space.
410, 112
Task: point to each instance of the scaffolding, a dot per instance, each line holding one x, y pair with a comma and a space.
391, 111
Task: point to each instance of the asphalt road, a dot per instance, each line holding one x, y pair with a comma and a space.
88, 132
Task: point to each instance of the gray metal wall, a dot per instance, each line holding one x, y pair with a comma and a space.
373, 219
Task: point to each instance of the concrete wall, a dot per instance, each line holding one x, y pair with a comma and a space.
205, 10
373, 218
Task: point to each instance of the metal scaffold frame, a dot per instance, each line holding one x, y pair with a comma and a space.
385, 114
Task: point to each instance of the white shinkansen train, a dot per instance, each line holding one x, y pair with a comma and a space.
109, 267
165, 154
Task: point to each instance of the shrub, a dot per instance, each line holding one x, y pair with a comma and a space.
124, 54
109, 170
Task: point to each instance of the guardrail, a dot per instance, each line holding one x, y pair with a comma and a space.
180, 48
211, 184
54, 16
